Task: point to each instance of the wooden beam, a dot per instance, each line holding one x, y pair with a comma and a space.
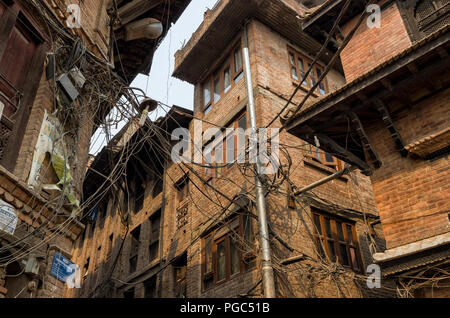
341, 152
438, 66
400, 94
319, 14
381, 107
364, 139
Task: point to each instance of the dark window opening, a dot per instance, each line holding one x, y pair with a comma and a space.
150, 290
129, 294
182, 187
155, 225
157, 187
135, 243
230, 146
180, 272
139, 197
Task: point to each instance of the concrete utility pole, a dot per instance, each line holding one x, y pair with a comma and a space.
267, 279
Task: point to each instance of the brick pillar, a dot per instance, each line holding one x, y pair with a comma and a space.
3, 290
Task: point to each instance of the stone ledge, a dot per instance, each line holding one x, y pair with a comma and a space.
412, 248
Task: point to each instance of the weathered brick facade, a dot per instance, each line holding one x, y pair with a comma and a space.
298, 269
371, 47
398, 92
33, 38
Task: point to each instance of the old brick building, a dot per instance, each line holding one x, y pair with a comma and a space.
62, 68
393, 118
197, 234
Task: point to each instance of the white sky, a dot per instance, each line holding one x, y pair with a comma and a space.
160, 85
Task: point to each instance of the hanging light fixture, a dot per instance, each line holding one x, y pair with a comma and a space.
144, 29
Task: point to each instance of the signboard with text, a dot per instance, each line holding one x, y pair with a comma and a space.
8, 218
62, 267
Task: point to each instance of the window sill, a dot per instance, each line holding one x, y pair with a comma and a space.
323, 168
229, 280
146, 268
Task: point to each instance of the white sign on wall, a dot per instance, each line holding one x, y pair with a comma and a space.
8, 218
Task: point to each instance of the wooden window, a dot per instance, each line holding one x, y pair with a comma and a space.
291, 198
155, 226
14, 66
335, 238
180, 271
227, 79
228, 251
134, 251
217, 89
139, 196
230, 141
322, 157
431, 15
238, 64
226, 76
298, 69
182, 187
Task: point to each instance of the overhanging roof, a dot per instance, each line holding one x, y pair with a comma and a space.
101, 166
137, 56
228, 18
391, 81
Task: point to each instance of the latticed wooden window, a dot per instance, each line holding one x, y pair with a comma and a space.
431, 15
336, 239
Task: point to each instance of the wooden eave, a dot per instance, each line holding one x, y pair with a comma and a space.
398, 83
137, 56
200, 54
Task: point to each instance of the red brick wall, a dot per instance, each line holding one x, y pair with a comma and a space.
272, 81
413, 195
371, 47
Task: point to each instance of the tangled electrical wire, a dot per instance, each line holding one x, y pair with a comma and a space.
107, 101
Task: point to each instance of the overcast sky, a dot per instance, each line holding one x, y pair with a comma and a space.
160, 85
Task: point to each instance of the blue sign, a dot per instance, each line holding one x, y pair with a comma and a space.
62, 267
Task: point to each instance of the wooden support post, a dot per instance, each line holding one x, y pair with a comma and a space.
364, 139
381, 107
343, 153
